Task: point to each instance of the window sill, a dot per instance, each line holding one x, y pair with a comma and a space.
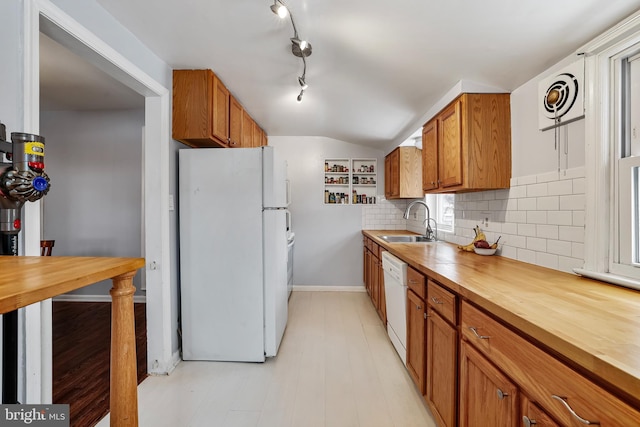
609, 278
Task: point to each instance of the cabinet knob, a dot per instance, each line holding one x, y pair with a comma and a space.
563, 400
433, 183
528, 422
418, 307
501, 394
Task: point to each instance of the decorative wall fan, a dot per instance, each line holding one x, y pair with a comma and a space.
561, 97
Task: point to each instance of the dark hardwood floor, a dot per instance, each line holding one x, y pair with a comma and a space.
81, 345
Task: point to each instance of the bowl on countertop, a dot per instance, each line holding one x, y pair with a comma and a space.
483, 251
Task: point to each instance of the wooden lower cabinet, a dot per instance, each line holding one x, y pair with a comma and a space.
487, 396
533, 416
442, 369
373, 274
416, 321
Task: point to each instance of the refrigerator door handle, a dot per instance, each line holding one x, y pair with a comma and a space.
288, 194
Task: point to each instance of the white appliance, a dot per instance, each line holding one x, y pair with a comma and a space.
395, 288
233, 253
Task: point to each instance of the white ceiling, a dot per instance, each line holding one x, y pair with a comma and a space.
377, 66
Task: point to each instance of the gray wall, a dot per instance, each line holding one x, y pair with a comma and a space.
328, 249
94, 208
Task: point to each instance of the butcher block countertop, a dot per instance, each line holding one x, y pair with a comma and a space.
594, 326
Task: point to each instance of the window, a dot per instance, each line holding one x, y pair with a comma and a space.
612, 156
442, 210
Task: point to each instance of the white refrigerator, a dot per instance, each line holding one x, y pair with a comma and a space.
233, 253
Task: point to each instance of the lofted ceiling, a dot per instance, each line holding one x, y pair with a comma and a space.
377, 66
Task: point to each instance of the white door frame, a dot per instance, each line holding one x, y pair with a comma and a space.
37, 349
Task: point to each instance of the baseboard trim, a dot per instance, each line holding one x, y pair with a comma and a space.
303, 288
95, 298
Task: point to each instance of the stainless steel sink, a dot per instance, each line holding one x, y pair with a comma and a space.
406, 239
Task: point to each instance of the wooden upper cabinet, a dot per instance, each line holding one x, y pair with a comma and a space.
195, 109
471, 140
247, 130
404, 166
430, 156
257, 136
235, 123
205, 114
450, 154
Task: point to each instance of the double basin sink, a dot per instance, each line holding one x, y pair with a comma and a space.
407, 239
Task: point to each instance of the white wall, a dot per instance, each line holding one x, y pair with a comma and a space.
94, 207
328, 249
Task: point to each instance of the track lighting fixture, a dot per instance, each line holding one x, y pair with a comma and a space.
299, 47
279, 9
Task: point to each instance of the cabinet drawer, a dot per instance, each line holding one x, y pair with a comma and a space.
415, 281
547, 381
442, 301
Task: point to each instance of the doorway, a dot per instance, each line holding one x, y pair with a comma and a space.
43, 16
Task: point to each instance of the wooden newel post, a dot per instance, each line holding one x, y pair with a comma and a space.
124, 375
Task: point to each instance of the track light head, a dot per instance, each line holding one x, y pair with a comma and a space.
279, 9
303, 83
299, 98
300, 48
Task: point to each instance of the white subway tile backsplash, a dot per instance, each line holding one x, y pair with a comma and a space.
540, 218
549, 203
547, 231
537, 217
526, 255
516, 216
571, 234
510, 228
560, 217
537, 244
537, 190
560, 187
518, 192
527, 230
559, 247
578, 218
547, 260
572, 202
579, 186
528, 204
567, 264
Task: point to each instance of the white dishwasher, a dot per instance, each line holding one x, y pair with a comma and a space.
395, 288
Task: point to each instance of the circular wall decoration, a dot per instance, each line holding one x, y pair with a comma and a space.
560, 96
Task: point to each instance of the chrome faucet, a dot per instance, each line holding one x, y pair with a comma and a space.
428, 232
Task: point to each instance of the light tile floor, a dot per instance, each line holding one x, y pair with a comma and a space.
335, 368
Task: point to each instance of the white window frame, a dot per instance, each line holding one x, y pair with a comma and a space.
433, 201
603, 58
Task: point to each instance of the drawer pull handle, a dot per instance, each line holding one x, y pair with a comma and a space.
475, 332
528, 422
436, 300
413, 281
502, 394
572, 412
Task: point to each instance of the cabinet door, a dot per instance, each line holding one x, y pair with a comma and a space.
257, 136
442, 367
382, 300
247, 130
220, 120
487, 397
416, 339
235, 122
387, 177
375, 286
532, 415
430, 156
394, 173
450, 145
